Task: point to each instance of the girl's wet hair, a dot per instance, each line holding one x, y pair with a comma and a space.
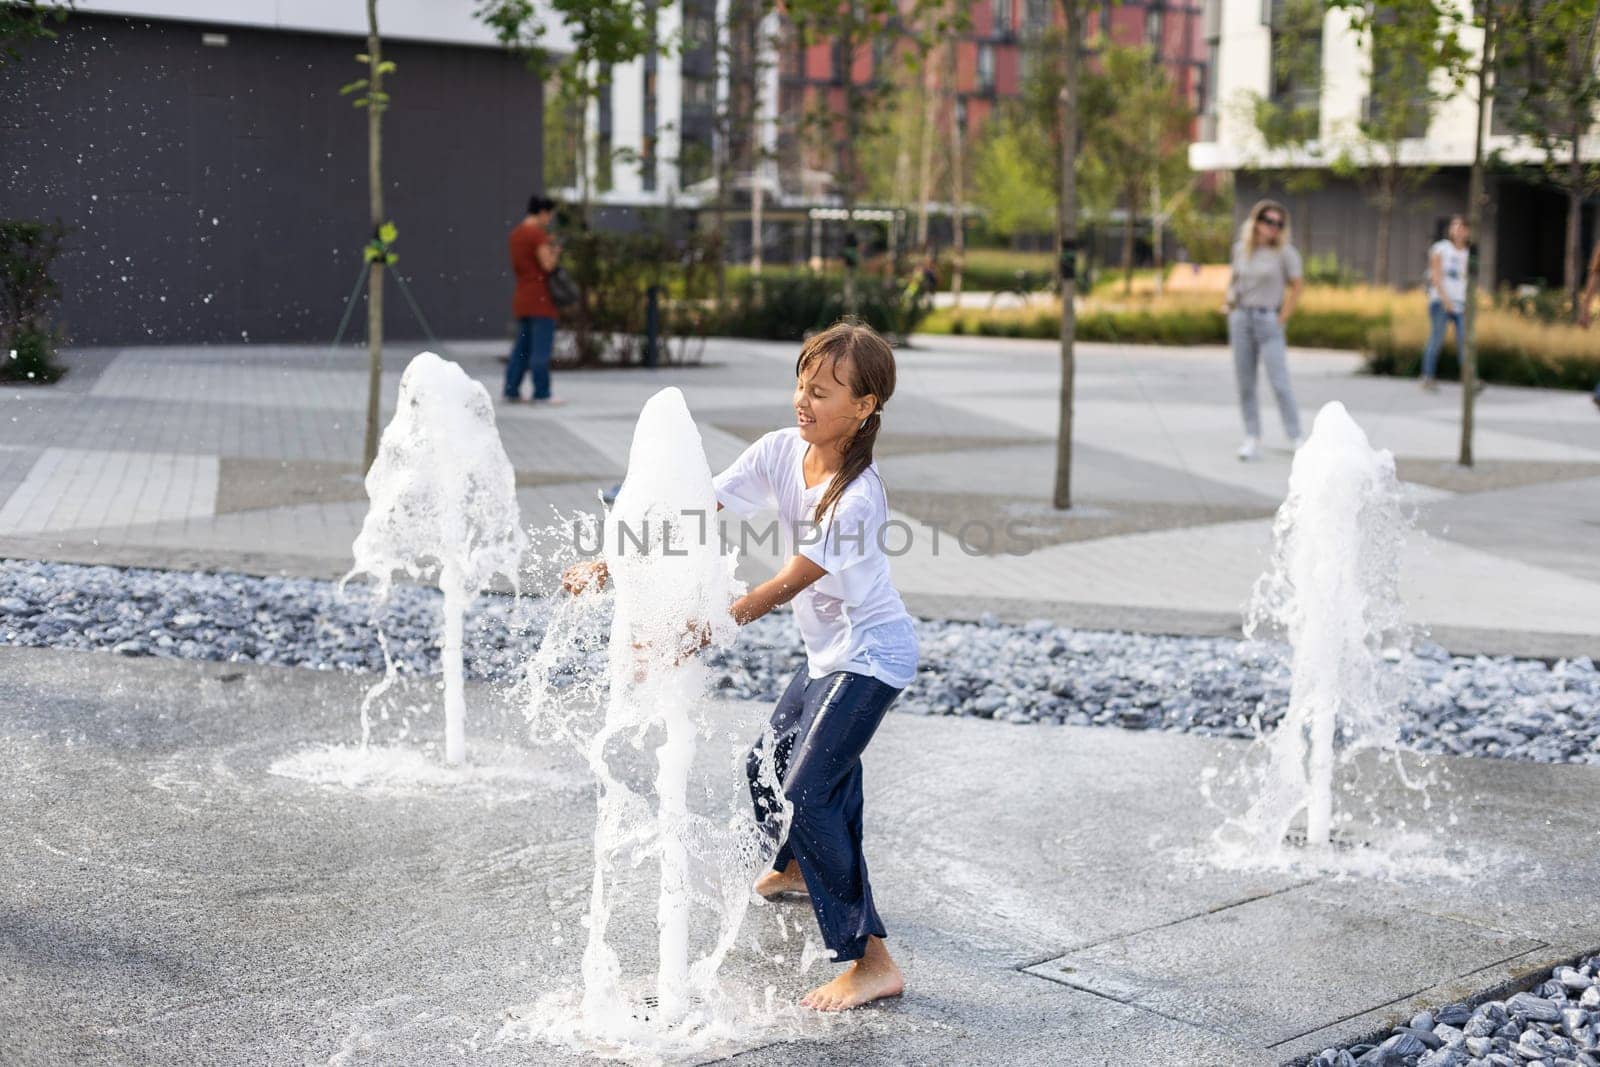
868, 369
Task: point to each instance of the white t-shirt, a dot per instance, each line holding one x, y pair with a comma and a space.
851, 619
1452, 269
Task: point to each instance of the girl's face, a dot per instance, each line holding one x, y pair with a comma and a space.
825, 409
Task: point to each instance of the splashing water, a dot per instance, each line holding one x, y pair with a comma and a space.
1334, 589
444, 508
672, 582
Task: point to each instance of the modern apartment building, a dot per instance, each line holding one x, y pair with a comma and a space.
1523, 238
216, 180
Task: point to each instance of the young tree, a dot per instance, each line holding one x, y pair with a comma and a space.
742, 48
1014, 176
1460, 65
1550, 92
1411, 51
375, 101
891, 32
1136, 126
1075, 13
603, 33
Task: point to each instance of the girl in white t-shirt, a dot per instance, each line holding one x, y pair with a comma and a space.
861, 648
1447, 294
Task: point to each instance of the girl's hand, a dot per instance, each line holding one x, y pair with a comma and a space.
588, 576
696, 635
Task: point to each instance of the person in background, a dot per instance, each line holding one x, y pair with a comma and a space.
534, 254
1265, 286
1447, 294
1591, 289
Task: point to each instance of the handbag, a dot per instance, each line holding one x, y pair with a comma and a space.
563, 290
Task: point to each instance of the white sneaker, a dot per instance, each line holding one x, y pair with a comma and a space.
1296, 441
1250, 449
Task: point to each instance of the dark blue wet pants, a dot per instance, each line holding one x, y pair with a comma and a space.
819, 729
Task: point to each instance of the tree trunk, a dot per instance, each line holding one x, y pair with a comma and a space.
1157, 253
958, 221
1386, 198
1067, 224
930, 120
847, 159
1572, 263
1469, 344
375, 202
1128, 220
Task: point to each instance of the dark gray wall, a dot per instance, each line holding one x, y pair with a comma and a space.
1338, 217
221, 193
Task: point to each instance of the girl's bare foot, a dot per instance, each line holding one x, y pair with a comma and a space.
775, 885
872, 977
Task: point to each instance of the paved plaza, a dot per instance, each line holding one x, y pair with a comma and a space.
166, 898
247, 459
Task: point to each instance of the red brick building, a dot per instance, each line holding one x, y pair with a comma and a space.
989, 68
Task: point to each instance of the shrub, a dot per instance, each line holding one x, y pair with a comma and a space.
785, 307
1512, 350
1325, 269
27, 290
1188, 323
615, 273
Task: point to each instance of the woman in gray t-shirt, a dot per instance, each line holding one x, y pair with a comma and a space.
1262, 293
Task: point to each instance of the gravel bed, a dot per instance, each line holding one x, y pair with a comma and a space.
1552, 1026
1038, 672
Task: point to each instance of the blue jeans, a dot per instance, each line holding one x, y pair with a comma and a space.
819, 730
1437, 317
1257, 339
536, 336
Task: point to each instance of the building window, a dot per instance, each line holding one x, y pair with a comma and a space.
1397, 98
1037, 15
1105, 20
699, 30
1004, 18
699, 93
985, 68
1295, 101
1153, 17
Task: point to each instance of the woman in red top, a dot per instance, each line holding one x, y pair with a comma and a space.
534, 254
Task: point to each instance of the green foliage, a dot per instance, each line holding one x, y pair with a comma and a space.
28, 251
381, 248
615, 273
1290, 113
1324, 268
1013, 179
1206, 230
1550, 85
786, 307
1135, 124
603, 32
22, 21
376, 99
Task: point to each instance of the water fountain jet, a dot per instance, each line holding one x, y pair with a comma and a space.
1334, 589
444, 508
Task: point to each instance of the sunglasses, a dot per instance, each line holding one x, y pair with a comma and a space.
1275, 221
